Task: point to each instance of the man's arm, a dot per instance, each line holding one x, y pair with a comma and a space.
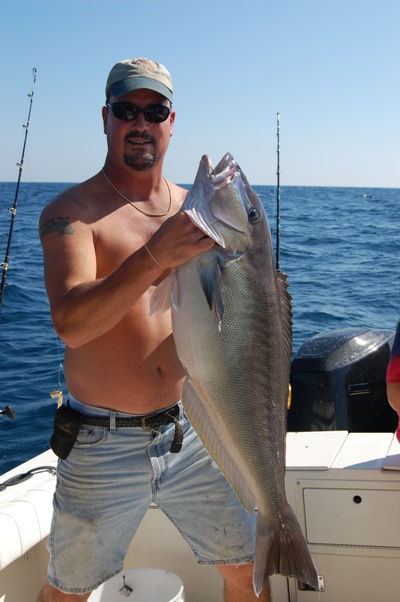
84, 307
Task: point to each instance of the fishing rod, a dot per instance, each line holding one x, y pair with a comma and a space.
13, 210
278, 200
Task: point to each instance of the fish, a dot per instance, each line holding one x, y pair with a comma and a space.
232, 326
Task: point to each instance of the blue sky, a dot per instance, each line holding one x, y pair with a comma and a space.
329, 67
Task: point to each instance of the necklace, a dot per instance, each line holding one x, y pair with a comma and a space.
135, 206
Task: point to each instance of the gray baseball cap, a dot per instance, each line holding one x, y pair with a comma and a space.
134, 74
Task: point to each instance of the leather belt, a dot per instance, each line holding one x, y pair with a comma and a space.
147, 422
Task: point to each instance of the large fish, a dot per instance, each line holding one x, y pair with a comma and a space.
231, 317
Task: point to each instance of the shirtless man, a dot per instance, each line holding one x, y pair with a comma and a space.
107, 243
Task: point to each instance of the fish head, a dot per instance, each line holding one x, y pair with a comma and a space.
223, 205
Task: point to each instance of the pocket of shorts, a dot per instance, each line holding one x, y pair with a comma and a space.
90, 436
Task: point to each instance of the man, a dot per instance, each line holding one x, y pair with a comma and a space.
107, 243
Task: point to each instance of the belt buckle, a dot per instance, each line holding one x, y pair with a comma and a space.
147, 426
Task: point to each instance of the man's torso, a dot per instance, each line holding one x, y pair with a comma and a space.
133, 367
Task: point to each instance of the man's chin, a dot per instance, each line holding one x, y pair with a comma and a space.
140, 163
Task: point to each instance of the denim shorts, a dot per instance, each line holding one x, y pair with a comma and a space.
109, 481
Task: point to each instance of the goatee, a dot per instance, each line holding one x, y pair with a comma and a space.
140, 162
140, 159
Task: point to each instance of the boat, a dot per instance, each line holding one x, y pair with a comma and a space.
342, 481
343, 484
344, 488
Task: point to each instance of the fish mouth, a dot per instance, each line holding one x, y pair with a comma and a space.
224, 172
211, 179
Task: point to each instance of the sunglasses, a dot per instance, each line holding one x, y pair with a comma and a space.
129, 112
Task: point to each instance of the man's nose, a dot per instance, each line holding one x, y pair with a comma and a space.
140, 120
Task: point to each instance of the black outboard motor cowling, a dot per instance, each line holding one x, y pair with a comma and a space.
338, 381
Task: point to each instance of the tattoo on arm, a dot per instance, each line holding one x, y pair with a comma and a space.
59, 224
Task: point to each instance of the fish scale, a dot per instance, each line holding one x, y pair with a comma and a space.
231, 318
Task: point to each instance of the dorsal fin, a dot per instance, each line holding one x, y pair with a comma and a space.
286, 315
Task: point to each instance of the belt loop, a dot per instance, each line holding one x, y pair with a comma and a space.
113, 422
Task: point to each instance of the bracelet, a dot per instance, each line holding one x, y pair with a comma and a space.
153, 258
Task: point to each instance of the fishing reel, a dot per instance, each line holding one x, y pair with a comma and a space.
8, 411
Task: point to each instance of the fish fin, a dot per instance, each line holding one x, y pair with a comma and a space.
204, 422
165, 295
286, 315
285, 552
263, 542
211, 283
174, 290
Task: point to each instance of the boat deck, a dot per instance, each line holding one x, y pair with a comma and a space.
343, 487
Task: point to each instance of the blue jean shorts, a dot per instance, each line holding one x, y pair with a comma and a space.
109, 481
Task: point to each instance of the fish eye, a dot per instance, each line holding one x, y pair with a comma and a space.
253, 215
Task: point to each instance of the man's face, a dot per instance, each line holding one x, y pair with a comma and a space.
139, 143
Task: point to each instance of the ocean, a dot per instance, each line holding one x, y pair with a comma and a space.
339, 246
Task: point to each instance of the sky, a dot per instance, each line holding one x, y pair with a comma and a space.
330, 68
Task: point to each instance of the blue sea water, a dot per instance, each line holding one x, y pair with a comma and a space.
339, 246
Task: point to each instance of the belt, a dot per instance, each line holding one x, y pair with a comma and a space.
147, 422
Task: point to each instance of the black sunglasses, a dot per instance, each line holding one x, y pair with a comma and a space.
129, 112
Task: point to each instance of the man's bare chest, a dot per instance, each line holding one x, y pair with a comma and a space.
119, 235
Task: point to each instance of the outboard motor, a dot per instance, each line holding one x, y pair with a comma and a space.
338, 381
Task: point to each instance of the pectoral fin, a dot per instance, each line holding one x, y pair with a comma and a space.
212, 285
165, 295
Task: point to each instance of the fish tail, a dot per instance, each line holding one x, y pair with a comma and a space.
284, 551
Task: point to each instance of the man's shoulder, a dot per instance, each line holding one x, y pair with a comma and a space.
75, 200
178, 192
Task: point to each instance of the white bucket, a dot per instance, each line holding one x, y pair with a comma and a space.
140, 585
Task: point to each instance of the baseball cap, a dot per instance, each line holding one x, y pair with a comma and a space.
134, 74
